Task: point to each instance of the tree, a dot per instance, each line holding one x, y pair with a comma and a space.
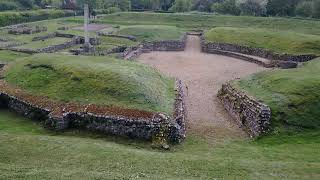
304, 9
226, 7
252, 7
281, 7
316, 9
181, 6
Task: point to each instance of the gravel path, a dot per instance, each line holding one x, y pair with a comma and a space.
204, 74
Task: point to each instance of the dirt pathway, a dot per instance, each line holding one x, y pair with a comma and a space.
204, 74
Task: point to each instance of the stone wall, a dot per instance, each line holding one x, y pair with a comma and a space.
212, 47
131, 38
145, 127
166, 45
24, 29
253, 116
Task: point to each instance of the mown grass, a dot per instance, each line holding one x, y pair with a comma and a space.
45, 43
293, 95
152, 32
199, 21
27, 152
10, 56
276, 41
98, 80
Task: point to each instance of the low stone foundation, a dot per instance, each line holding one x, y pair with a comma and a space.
24, 29
142, 125
166, 45
253, 116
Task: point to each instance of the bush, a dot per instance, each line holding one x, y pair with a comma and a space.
316, 9
10, 18
304, 9
226, 7
252, 7
181, 6
111, 10
5, 6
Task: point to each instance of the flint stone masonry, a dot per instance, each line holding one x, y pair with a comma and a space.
24, 29
253, 116
133, 127
212, 47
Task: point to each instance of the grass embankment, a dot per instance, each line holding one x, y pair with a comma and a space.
29, 152
45, 43
10, 56
293, 95
209, 21
152, 33
96, 80
276, 41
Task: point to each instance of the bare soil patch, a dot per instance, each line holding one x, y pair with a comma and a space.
204, 75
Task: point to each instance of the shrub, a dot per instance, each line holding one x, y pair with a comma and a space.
111, 10
252, 7
316, 9
4, 6
304, 9
10, 18
226, 7
181, 6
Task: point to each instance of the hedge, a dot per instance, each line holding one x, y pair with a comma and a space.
11, 17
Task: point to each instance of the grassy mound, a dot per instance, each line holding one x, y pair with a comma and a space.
97, 80
9, 56
293, 95
276, 41
152, 33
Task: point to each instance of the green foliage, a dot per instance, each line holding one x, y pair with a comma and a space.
226, 7
9, 18
293, 95
97, 80
7, 5
316, 9
201, 21
252, 7
111, 10
304, 9
181, 6
276, 41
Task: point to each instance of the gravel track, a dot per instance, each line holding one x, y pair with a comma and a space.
203, 74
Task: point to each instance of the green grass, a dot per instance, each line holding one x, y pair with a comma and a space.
100, 80
293, 95
45, 43
29, 152
199, 21
152, 33
276, 41
10, 56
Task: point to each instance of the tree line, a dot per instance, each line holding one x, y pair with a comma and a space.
303, 8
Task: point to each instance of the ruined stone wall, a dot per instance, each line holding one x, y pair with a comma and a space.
253, 116
134, 127
212, 47
166, 45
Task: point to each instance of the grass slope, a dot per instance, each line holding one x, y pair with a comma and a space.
45, 43
10, 56
276, 41
98, 80
27, 152
293, 95
209, 21
152, 33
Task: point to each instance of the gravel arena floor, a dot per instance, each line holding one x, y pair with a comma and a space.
203, 74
